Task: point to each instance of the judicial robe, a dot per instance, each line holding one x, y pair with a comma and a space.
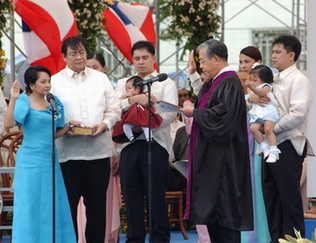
221, 181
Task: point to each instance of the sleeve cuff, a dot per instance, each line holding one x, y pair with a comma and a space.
125, 103
193, 77
108, 124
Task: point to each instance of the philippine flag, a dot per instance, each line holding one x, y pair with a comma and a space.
127, 23
45, 25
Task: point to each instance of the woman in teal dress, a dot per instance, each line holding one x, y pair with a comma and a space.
32, 211
248, 57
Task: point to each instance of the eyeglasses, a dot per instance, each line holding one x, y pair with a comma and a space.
75, 54
201, 62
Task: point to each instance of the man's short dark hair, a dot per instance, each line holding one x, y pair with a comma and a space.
149, 46
290, 43
74, 42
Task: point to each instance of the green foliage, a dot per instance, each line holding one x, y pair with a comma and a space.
123, 227
5, 9
189, 22
89, 18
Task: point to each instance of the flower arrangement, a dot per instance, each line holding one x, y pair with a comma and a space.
189, 21
298, 239
3, 62
89, 18
5, 9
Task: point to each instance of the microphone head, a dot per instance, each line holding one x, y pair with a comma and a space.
162, 77
49, 97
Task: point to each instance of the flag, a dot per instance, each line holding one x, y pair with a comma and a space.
45, 25
127, 23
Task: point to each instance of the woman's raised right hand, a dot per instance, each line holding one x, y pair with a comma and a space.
15, 90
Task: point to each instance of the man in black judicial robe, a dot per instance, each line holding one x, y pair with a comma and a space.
219, 166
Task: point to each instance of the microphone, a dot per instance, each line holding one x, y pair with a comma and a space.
51, 99
159, 78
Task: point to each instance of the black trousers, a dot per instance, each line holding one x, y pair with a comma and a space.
134, 182
281, 193
220, 234
88, 179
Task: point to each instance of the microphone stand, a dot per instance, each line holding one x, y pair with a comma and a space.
149, 209
53, 178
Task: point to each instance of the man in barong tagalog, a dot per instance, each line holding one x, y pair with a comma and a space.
219, 188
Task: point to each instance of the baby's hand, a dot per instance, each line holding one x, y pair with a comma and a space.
129, 94
248, 83
126, 95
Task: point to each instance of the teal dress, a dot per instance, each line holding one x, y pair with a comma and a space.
260, 234
32, 212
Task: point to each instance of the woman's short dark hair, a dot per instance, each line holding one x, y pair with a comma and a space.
31, 75
97, 56
252, 52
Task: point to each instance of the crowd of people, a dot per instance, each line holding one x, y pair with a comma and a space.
243, 138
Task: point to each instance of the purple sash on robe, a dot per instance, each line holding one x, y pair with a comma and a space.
194, 131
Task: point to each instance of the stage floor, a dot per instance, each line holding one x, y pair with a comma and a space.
176, 237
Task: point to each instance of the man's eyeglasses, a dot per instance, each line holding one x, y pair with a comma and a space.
80, 53
202, 61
